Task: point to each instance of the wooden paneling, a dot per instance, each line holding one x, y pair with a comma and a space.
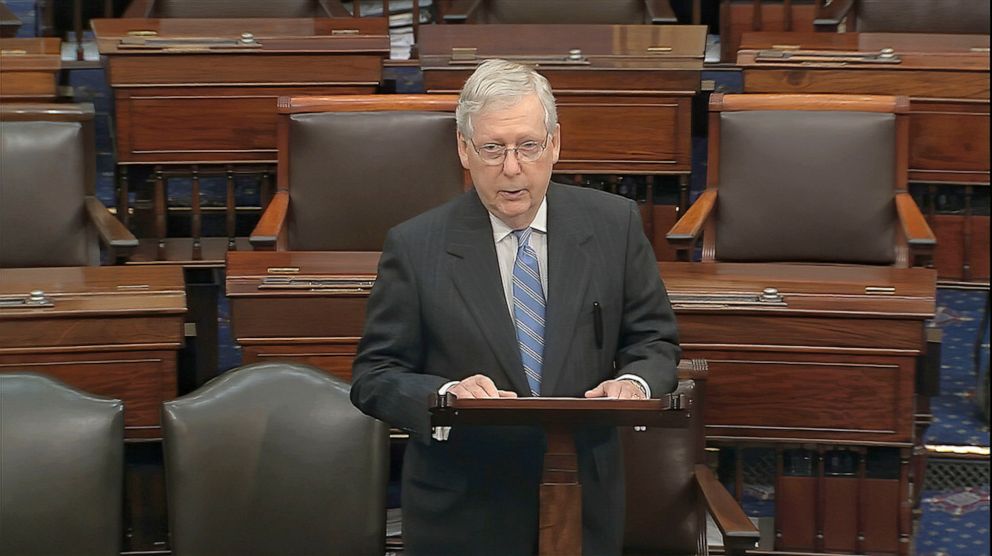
964, 246
29, 69
881, 524
946, 78
336, 359
243, 69
840, 520
741, 16
110, 331
624, 106
182, 101
664, 217
142, 379
795, 518
592, 142
808, 397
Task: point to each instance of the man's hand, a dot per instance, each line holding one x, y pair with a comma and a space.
620, 389
479, 386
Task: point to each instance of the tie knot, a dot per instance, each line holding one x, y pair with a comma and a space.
523, 237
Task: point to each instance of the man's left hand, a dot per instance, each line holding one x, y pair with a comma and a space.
620, 389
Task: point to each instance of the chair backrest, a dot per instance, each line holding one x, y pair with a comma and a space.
617, 12
356, 166
923, 16
273, 458
806, 178
49, 166
62, 462
665, 511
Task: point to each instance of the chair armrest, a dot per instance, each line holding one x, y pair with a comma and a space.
739, 534
914, 226
660, 12
461, 10
334, 8
139, 8
112, 232
915, 232
270, 225
686, 231
828, 17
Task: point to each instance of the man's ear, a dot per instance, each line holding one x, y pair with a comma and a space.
462, 149
556, 143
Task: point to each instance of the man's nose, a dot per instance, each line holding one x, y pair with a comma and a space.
511, 165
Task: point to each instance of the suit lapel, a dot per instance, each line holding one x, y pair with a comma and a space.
475, 272
568, 278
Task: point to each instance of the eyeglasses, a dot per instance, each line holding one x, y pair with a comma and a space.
493, 154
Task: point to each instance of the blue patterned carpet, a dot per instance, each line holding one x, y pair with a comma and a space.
956, 417
954, 523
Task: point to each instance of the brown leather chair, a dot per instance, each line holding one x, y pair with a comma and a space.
49, 214
670, 489
617, 12
235, 8
61, 469
907, 16
353, 166
273, 458
807, 178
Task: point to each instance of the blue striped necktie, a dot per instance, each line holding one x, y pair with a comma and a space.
528, 309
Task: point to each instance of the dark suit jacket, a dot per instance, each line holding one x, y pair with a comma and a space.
438, 313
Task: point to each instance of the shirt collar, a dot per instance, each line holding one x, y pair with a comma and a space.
540, 223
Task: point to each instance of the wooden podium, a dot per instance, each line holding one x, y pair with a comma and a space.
947, 80
561, 493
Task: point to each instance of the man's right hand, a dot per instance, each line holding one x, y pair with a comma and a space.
479, 386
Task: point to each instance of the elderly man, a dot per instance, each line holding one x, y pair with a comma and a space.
521, 287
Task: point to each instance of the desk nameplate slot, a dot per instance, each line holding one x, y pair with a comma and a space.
342, 285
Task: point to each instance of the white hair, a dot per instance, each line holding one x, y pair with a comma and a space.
502, 83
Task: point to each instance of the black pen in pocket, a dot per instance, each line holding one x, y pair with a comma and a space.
597, 322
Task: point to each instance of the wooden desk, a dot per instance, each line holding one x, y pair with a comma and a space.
827, 359
111, 331
826, 330
29, 69
623, 102
947, 80
190, 91
199, 95
824, 360
624, 94
318, 325
833, 353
